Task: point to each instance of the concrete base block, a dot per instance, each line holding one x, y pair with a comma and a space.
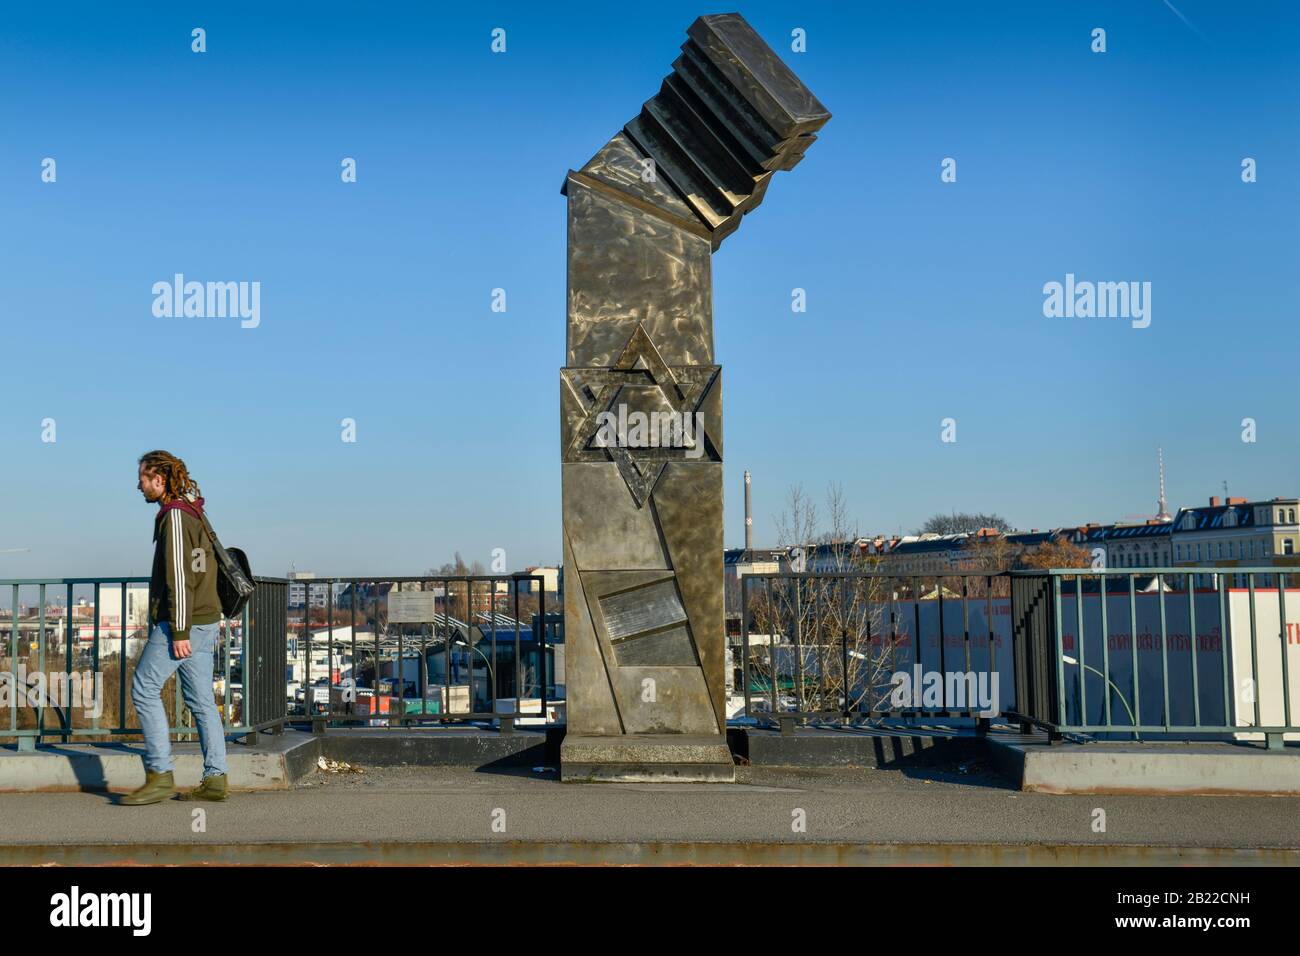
646, 758
449, 747
854, 747
1149, 768
275, 761
119, 768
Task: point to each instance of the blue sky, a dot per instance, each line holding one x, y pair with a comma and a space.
924, 298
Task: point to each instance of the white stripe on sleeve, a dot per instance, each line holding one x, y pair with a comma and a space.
178, 562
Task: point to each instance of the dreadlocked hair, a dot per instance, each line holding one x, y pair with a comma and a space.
177, 482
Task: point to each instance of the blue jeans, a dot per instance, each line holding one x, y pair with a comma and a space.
156, 664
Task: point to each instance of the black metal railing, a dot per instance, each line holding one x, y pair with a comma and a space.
403, 651
868, 645
83, 636
263, 659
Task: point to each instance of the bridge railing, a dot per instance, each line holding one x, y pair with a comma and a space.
68, 650
422, 650
1186, 653
856, 646
1205, 652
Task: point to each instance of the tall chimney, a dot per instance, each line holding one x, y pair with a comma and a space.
749, 517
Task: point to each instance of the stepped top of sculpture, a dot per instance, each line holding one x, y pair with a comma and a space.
729, 115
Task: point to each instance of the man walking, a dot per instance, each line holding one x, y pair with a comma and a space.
184, 618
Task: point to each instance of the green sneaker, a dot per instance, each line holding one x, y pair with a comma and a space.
157, 788
212, 788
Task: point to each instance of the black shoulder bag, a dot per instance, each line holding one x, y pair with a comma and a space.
234, 576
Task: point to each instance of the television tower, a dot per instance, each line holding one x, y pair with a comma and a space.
1162, 511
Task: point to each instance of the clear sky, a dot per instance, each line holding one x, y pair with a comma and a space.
924, 298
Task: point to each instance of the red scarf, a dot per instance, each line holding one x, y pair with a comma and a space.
194, 508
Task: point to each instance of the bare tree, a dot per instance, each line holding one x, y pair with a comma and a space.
456, 568
818, 643
962, 522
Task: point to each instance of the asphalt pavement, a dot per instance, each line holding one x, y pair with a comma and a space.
957, 814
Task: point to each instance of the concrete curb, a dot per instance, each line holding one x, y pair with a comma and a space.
595, 853
278, 762
1151, 768
275, 762
856, 747
119, 768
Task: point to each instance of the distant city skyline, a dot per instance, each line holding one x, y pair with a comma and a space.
925, 298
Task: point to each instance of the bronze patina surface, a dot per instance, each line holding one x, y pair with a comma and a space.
643, 513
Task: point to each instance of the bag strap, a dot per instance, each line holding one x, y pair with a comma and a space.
207, 525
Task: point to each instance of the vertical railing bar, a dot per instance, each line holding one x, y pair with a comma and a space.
446, 652
893, 625
492, 676
1081, 651
329, 652
1133, 646
246, 672
40, 705
1254, 650
307, 693
1060, 650
121, 665
845, 663
1164, 641
13, 660
375, 708
250, 706
94, 657
519, 650
520, 671
401, 666
802, 700
1281, 629
422, 663
771, 648
1196, 682
965, 628
469, 641
818, 638
744, 640
1225, 660
1105, 646
65, 719
943, 650
543, 667
988, 621
352, 608
225, 638
916, 640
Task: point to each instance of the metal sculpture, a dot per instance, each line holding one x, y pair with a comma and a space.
641, 405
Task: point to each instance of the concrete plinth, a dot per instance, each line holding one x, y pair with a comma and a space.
647, 758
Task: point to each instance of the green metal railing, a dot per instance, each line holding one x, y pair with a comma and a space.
1168, 652
252, 634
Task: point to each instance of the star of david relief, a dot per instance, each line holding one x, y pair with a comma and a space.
639, 382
